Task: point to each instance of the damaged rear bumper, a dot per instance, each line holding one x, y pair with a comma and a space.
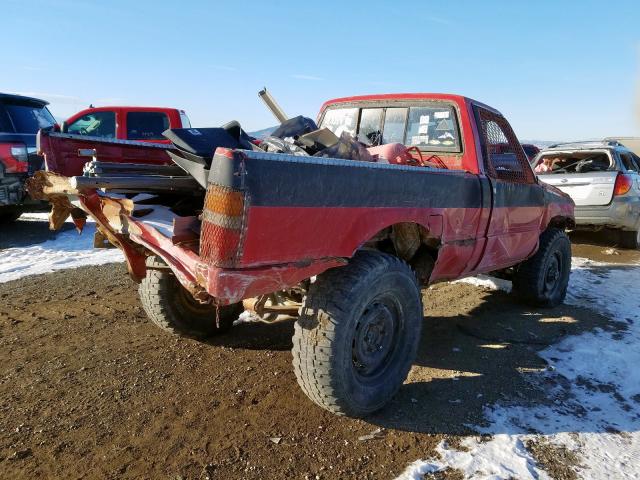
118, 219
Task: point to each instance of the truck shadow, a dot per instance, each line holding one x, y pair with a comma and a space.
24, 233
602, 238
468, 362
479, 348
257, 336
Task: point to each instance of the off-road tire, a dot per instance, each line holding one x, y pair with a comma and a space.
339, 312
542, 280
629, 239
172, 308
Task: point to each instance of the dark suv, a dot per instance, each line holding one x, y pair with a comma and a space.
20, 119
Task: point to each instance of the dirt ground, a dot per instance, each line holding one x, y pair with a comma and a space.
90, 389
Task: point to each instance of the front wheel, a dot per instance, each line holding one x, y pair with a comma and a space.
171, 307
543, 279
358, 334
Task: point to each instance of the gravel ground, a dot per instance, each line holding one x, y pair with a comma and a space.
89, 388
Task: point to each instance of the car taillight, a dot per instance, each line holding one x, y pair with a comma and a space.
623, 184
14, 157
222, 219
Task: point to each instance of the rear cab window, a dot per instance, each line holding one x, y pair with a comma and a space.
100, 124
433, 127
370, 127
395, 125
430, 126
340, 120
146, 125
24, 117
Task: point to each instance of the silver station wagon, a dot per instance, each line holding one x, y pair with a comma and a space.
602, 178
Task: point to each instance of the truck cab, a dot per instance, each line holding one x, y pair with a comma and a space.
142, 124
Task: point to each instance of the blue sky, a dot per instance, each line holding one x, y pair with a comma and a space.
559, 70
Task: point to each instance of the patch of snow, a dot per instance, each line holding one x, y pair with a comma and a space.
485, 281
35, 217
504, 456
161, 218
67, 250
247, 317
595, 401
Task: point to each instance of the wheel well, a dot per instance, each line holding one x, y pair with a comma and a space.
565, 223
411, 242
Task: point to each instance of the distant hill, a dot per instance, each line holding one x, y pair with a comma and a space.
540, 143
265, 132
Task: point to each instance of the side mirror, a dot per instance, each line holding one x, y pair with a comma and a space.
63, 127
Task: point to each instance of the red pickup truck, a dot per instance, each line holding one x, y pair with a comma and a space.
125, 126
349, 243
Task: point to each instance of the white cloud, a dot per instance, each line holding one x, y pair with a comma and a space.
225, 68
54, 97
32, 68
441, 21
109, 101
300, 76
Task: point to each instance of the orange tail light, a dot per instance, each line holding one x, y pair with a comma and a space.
222, 221
623, 184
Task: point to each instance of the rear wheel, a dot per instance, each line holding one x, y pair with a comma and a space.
358, 334
171, 307
542, 280
630, 239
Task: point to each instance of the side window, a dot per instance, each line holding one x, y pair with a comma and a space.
636, 161
370, 129
96, 124
627, 161
395, 121
503, 156
433, 128
146, 125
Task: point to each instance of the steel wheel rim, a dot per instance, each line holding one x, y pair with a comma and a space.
375, 338
553, 273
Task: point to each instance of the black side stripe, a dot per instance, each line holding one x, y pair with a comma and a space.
288, 181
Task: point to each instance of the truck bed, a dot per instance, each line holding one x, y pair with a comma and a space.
67, 154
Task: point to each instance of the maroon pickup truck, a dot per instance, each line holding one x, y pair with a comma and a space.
345, 245
124, 128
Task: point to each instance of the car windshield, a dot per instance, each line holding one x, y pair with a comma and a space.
572, 162
28, 117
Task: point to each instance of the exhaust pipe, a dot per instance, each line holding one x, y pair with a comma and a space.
272, 105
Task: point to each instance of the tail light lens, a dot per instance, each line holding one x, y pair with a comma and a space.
14, 157
222, 219
623, 184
